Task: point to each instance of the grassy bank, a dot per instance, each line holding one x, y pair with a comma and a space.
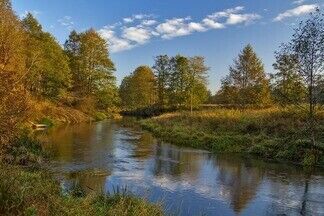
54, 113
26, 188
276, 134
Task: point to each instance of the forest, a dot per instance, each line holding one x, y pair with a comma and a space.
277, 116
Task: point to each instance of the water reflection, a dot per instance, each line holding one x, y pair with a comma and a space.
105, 155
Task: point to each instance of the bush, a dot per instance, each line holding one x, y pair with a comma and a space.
99, 116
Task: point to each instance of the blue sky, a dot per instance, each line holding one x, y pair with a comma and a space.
138, 30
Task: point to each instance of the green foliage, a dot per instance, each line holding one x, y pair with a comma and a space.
177, 82
288, 86
48, 70
274, 134
247, 83
99, 116
138, 89
162, 72
25, 150
92, 69
25, 192
47, 121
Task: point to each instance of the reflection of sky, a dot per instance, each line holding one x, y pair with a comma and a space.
186, 180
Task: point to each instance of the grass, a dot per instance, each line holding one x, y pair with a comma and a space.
272, 133
25, 192
26, 188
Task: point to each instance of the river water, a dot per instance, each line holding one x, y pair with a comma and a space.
106, 155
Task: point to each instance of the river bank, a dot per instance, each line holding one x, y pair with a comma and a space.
273, 134
28, 188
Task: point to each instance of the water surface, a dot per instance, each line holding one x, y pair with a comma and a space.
106, 155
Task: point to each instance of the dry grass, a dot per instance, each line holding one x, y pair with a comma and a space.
58, 113
272, 133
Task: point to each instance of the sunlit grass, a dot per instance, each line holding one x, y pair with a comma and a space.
273, 133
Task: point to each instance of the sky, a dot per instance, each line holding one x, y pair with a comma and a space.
138, 30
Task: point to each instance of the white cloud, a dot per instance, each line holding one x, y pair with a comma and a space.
213, 24
149, 22
139, 29
298, 11
298, 2
128, 20
137, 34
193, 26
234, 19
226, 13
67, 22
175, 27
136, 17
116, 44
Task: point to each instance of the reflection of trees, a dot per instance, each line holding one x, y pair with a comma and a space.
296, 193
173, 161
239, 179
144, 146
90, 181
92, 144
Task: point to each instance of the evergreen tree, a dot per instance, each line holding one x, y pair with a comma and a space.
247, 80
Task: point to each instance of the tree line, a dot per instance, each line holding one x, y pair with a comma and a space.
179, 82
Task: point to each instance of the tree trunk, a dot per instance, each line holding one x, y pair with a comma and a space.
191, 103
312, 111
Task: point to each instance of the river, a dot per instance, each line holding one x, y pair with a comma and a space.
106, 155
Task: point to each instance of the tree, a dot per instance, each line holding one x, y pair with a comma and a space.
92, 69
72, 50
247, 80
288, 86
13, 96
197, 81
179, 80
307, 47
161, 70
138, 89
127, 94
48, 70
96, 67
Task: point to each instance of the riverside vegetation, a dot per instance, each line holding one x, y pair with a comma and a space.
275, 117
273, 133
27, 188
42, 83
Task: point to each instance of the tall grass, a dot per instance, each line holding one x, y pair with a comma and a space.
24, 192
26, 188
272, 133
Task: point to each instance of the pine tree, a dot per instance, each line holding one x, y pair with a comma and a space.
247, 80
